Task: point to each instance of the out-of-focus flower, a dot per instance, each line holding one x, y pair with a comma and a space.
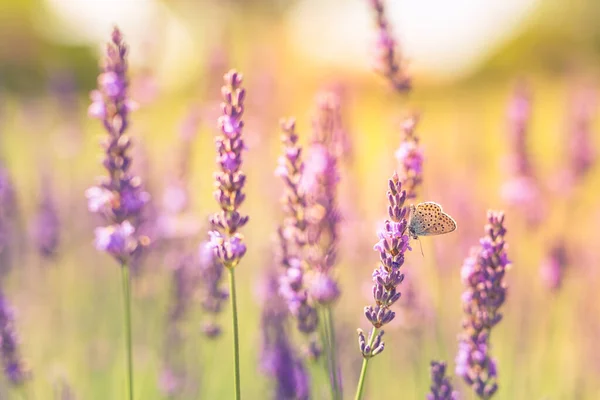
522, 189
278, 359
213, 296
580, 152
387, 58
14, 368
441, 389
9, 214
322, 214
485, 292
47, 225
553, 266
292, 238
410, 158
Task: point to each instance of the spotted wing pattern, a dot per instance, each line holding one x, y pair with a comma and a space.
428, 219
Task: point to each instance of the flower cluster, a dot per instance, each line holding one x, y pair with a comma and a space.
393, 243
292, 237
388, 61
485, 292
120, 196
14, 368
441, 389
522, 189
320, 181
278, 359
225, 239
410, 158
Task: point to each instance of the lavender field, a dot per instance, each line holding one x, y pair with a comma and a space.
305, 199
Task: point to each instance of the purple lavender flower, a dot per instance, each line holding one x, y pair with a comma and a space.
226, 241
228, 244
553, 266
388, 61
47, 225
320, 181
14, 368
441, 389
485, 292
393, 243
522, 190
278, 359
120, 197
410, 158
292, 238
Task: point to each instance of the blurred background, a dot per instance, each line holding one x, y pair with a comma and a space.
480, 71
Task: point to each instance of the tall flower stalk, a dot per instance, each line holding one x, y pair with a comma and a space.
293, 239
320, 182
118, 197
485, 292
392, 245
227, 242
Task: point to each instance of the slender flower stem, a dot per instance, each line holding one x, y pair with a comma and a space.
332, 351
327, 350
363, 370
127, 305
236, 342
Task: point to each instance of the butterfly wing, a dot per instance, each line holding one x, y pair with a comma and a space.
429, 219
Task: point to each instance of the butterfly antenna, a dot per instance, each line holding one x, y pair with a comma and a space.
421, 246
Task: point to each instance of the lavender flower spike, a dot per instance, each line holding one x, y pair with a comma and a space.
441, 389
485, 292
225, 238
227, 243
388, 60
14, 368
119, 197
392, 246
293, 238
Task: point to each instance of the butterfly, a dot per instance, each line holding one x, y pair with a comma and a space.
428, 219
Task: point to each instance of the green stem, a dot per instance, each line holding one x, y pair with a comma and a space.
363, 370
325, 340
127, 305
236, 342
332, 352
